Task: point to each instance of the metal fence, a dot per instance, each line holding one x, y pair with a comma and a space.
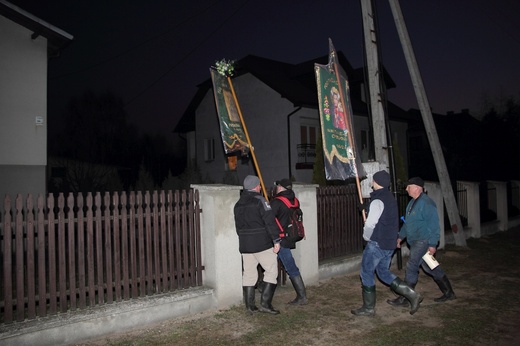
70, 253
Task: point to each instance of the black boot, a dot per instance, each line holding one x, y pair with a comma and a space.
369, 302
249, 298
267, 299
299, 287
402, 288
445, 287
400, 301
260, 287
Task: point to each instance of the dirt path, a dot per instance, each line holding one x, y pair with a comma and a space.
485, 277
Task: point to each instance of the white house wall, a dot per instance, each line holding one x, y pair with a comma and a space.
23, 110
265, 114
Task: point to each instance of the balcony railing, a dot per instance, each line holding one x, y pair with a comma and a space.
306, 156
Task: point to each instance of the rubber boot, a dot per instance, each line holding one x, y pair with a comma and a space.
299, 287
267, 299
260, 287
249, 298
400, 301
369, 302
445, 287
402, 288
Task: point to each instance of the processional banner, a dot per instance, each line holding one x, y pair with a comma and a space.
231, 129
339, 150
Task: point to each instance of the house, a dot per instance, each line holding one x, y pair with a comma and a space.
461, 138
26, 45
279, 104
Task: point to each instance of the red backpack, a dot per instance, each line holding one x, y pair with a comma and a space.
294, 231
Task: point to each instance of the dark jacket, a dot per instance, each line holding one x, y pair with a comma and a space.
283, 214
422, 221
387, 227
255, 224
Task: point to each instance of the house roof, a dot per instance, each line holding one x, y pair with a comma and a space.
294, 82
57, 39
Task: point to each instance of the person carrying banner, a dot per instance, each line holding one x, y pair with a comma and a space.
380, 232
257, 232
283, 214
421, 229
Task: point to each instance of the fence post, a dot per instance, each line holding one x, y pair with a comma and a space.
219, 243
515, 193
499, 203
434, 192
306, 252
473, 207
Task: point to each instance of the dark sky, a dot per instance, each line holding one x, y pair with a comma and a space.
153, 53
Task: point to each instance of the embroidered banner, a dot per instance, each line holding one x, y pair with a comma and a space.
231, 130
341, 159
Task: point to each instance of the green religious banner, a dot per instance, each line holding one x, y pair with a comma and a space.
231, 129
339, 150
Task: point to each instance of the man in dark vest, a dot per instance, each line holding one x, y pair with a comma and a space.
380, 231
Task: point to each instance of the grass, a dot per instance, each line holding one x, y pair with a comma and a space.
485, 277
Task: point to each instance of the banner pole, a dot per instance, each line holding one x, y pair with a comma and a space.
251, 149
349, 134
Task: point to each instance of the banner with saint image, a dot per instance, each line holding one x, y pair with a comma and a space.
231, 130
341, 158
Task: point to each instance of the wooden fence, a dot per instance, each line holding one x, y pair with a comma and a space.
340, 224
67, 254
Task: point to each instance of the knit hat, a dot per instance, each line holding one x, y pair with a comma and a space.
416, 181
382, 178
285, 183
251, 181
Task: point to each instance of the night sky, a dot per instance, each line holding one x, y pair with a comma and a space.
153, 54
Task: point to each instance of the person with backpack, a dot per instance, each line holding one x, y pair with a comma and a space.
286, 208
259, 242
380, 232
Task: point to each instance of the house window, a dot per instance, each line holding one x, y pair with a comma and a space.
307, 134
307, 147
209, 149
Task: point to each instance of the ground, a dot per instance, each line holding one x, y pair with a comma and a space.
485, 277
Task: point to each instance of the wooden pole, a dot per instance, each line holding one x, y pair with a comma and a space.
251, 148
349, 132
429, 125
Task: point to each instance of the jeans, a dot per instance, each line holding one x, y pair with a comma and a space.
417, 250
378, 260
288, 262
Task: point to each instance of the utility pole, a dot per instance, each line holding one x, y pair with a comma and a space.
374, 83
429, 125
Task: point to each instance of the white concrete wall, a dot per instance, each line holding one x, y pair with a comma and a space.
219, 242
498, 202
306, 252
433, 189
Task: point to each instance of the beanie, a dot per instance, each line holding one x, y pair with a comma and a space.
251, 181
382, 178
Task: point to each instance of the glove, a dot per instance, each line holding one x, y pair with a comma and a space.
362, 206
